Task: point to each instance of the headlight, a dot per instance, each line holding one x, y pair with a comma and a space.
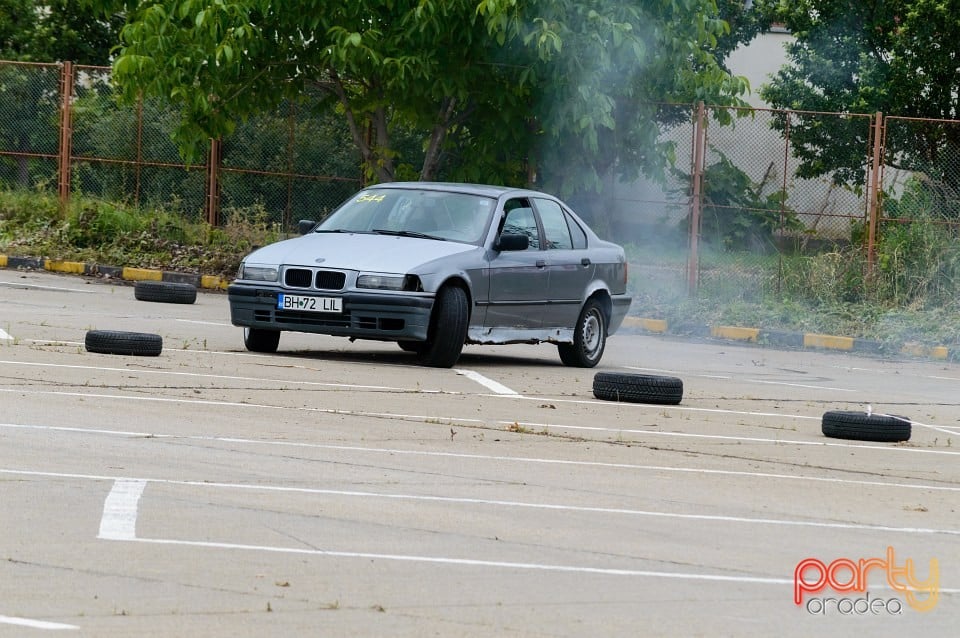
380, 282
410, 283
257, 273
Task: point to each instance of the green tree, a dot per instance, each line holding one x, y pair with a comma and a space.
498, 90
56, 31
895, 57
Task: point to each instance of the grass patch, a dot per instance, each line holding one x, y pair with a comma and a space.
95, 231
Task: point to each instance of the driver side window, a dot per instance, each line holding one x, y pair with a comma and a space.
520, 220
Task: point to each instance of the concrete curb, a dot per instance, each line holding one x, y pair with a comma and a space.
787, 339
210, 282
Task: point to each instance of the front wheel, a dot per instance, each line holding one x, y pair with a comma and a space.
589, 338
260, 340
448, 328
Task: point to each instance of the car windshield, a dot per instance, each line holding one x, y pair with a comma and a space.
419, 213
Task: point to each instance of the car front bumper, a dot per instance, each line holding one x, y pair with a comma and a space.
365, 315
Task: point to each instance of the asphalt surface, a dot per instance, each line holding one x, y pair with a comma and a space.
337, 488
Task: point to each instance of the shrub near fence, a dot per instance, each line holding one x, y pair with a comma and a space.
62, 128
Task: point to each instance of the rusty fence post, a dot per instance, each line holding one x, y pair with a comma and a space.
66, 134
696, 177
873, 211
213, 184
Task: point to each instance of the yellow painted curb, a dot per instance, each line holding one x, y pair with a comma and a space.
73, 267
653, 325
213, 281
920, 350
827, 341
142, 274
3, 261
733, 332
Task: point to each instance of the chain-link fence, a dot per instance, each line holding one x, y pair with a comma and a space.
915, 250
278, 168
29, 125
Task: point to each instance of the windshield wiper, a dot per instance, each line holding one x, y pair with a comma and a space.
406, 233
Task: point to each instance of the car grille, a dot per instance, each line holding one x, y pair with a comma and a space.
318, 279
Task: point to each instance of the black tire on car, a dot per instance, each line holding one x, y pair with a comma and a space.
165, 291
260, 340
637, 388
121, 342
448, 328
863, 426
589, 337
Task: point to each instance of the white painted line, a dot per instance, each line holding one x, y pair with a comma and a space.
34, 624
452, 420
197, 375
800, 385
455, 455
761, 381
490, 384
8, 284
5, 336
467, 562
119, 521
126, 502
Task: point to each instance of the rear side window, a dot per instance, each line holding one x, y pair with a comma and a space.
576, 232
560, 229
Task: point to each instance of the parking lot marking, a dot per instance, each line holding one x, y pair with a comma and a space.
119, 520
10, 284
490, 384
747, 380
472, 421
5, 336
35, 624
456, 455
468, 562
198, 375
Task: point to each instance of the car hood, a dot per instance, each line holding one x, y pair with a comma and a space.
357, 251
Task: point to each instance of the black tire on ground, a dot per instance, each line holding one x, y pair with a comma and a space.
412, 346
637, 388
165, 291
860, 426
260, 340
448, 328
120, 342
589, 338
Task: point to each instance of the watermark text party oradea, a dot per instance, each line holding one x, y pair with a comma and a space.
850, 577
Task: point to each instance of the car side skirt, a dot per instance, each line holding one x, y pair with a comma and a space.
489, 336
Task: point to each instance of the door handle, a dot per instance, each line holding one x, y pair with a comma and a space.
541, 263
585, 261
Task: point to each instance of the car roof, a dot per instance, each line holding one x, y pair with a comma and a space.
487, 190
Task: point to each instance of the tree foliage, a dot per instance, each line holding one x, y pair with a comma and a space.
895, 57
542, 91
56, 31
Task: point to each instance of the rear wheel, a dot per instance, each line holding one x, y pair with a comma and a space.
260, 340
589, 338
448, 328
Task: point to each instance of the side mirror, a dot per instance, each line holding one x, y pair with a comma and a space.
510, 242
306, 225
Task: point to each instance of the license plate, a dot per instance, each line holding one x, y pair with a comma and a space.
309, 304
